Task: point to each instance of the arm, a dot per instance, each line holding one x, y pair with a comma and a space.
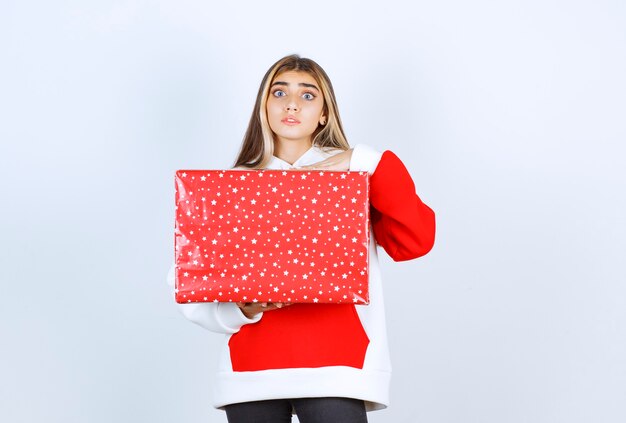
403, 225
216, 317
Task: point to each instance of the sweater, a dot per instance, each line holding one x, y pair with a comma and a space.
323, 350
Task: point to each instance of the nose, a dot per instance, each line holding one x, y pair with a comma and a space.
292, 106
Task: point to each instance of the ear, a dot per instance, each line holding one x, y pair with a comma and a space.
323, 120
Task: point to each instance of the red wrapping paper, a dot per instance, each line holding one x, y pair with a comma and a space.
272, 236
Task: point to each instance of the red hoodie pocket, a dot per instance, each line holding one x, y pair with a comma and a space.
301, 335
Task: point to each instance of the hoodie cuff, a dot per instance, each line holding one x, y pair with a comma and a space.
232, 318
364, 159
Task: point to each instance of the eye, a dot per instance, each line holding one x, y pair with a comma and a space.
279, 93
308, 96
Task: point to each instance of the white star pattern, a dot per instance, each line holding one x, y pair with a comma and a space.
221, 236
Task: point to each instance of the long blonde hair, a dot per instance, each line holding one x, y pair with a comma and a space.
258, 143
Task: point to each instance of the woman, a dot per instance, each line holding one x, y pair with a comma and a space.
325, 362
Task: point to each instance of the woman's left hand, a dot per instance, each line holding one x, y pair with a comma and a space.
339, 162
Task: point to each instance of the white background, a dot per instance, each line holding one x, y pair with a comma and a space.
510, 115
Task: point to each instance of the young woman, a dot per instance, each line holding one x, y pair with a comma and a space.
324, 362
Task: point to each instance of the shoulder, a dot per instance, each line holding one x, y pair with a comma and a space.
326, 152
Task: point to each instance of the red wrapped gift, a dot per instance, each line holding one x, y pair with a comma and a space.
272, 236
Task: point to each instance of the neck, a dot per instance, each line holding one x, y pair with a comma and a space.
290, 151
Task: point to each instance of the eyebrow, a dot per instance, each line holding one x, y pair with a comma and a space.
301, 84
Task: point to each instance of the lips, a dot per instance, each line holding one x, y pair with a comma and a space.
290, 120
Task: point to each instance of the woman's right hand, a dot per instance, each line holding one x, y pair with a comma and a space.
252, 309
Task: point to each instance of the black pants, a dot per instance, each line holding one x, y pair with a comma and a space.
309, 410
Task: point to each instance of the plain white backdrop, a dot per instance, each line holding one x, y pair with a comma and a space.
510, 115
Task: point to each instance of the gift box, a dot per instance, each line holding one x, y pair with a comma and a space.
272, 236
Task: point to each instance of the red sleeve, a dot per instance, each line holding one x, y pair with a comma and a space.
403, 225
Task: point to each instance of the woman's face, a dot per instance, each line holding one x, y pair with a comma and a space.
294, 107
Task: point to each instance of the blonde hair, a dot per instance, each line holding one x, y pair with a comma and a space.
258, 142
